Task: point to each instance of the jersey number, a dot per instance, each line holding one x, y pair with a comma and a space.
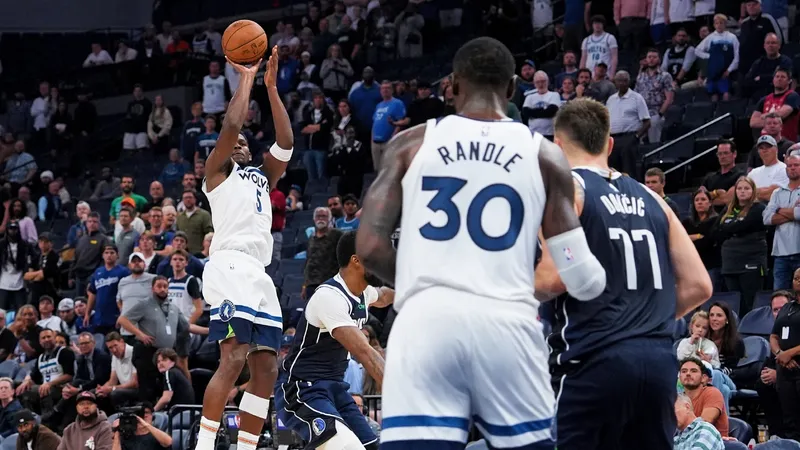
259, 208
630, 260
446, 188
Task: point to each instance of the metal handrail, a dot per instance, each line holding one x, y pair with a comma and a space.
678, 139
697, 156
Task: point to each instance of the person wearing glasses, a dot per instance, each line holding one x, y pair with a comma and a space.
766, 386
784, 341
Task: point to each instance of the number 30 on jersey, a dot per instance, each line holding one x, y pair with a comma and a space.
448, 187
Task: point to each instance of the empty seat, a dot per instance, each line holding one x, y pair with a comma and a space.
740, 429
300, 219
763, 298
698, 113
757, 322
9, 369
673, 115
289, 235
736, 107
683, 200
683, 97
292, 266
292, 283
722, 128
317, 200
732, 299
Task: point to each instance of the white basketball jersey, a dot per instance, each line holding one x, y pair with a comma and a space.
213, 94
473, 199
242, 214
598, 49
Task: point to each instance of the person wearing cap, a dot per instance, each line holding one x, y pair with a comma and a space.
294, 201
426, 106
66, 311
33, 436
15, 255
102, 292
773, 126
781, 212
43, 274
180, 242
134, 288
772, 174
47, 319
349, 221
707, 401
90, 430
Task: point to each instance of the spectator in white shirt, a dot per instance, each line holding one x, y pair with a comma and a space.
165, 37
125, 53
630, 120
98, 57
772, 174
540, 106
123, 384
48, 320
42, 108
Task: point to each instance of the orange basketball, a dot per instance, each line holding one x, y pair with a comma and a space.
244, 42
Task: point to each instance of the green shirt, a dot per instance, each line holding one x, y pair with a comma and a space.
513, 112
116, 203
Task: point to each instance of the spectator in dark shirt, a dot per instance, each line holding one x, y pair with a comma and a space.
425, 106
15, 257
288, 70
758, 80
316, 126
766, 385
720, 183
701, 226
138, 112
364, 98
27, 332
9, 406
350, 158
180, 242
321, 256
173, 171
43, 273
88, 254
655, 180
176, 388
147, 436
85, 116
7, 339
191, 129
570, 62
753, 31
50, 203
207, 140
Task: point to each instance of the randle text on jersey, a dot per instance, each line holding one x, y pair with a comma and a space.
479, 151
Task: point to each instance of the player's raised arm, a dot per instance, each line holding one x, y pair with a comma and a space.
219, 161
280, 153
579, 270
692, 283
383, 203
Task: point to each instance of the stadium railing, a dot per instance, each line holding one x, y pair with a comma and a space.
691, 133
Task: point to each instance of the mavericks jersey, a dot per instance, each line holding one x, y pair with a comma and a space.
242, 213
628, 232
473, 200
315, 354
598, 49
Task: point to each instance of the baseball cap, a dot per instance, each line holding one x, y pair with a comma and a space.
602, 63
128, 201
13, 224
46, 298
708, 369
45, 237
286, 340
24, 416
66, 305
46, 174
86, 395
111, 246
182, 235
135, 255
766, 139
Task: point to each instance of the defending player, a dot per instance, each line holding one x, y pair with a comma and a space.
613, 356
245, 314
474, 189
311, 396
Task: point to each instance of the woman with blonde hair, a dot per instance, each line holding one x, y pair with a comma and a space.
744, 246
159, 125
698, 344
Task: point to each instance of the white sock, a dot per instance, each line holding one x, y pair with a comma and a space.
246, 441
207, 437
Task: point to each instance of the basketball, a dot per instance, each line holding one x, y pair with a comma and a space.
244, 42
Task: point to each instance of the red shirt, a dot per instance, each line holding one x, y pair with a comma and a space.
772, 103
278, 201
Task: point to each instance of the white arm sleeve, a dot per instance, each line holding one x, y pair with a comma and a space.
371, 295
328, 309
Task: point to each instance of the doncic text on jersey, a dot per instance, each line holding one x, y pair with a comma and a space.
479, 151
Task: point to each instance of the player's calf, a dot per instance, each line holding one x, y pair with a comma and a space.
255, 402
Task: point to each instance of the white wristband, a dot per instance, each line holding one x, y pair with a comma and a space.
281, 154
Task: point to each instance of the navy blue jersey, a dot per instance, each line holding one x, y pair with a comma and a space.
628, 232
315, 354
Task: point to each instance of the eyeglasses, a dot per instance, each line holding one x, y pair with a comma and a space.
85, 343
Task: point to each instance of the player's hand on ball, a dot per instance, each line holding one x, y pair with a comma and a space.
252, 70
271, 78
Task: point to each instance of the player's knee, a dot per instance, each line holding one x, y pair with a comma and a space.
263, 364
344, 439
233, 355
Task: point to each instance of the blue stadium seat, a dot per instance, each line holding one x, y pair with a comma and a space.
734, 445
757, 322
680, 330
9, 369
289, 235
10, 443
317, 200
763, 298
756, 350
740, 429
292, 266
292, 283
779, 444
299, 219
683, 200
732, 299
100, 342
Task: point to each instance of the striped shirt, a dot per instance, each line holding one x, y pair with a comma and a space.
699, 435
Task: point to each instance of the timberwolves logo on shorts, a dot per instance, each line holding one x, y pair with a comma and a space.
226, 310
318, 425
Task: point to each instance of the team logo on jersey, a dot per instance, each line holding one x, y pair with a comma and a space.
226, 310
318, 425
568, 254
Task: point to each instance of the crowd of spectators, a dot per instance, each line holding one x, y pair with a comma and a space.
101, 280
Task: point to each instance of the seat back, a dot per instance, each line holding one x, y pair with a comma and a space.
757, 322
778, 444
763, 298
9, 369
756, 350
732, 299
10, 443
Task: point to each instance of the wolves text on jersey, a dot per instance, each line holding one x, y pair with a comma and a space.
256, 177
479, 151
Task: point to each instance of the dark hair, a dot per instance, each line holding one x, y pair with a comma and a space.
692, 359
580, 71
166, 353
729, 339
189, 191
11, 205
782, 293
94, 215
727, 142
127, 175
179, 252
64, 335
653, 50
335, 196
159, 278
350, 198
597, 18
126, 208
655, 172
586, 123
784, 70
114, 336
145, 405
712, 213
345, 249
484, 62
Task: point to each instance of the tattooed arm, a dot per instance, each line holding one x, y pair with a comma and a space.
383, 203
